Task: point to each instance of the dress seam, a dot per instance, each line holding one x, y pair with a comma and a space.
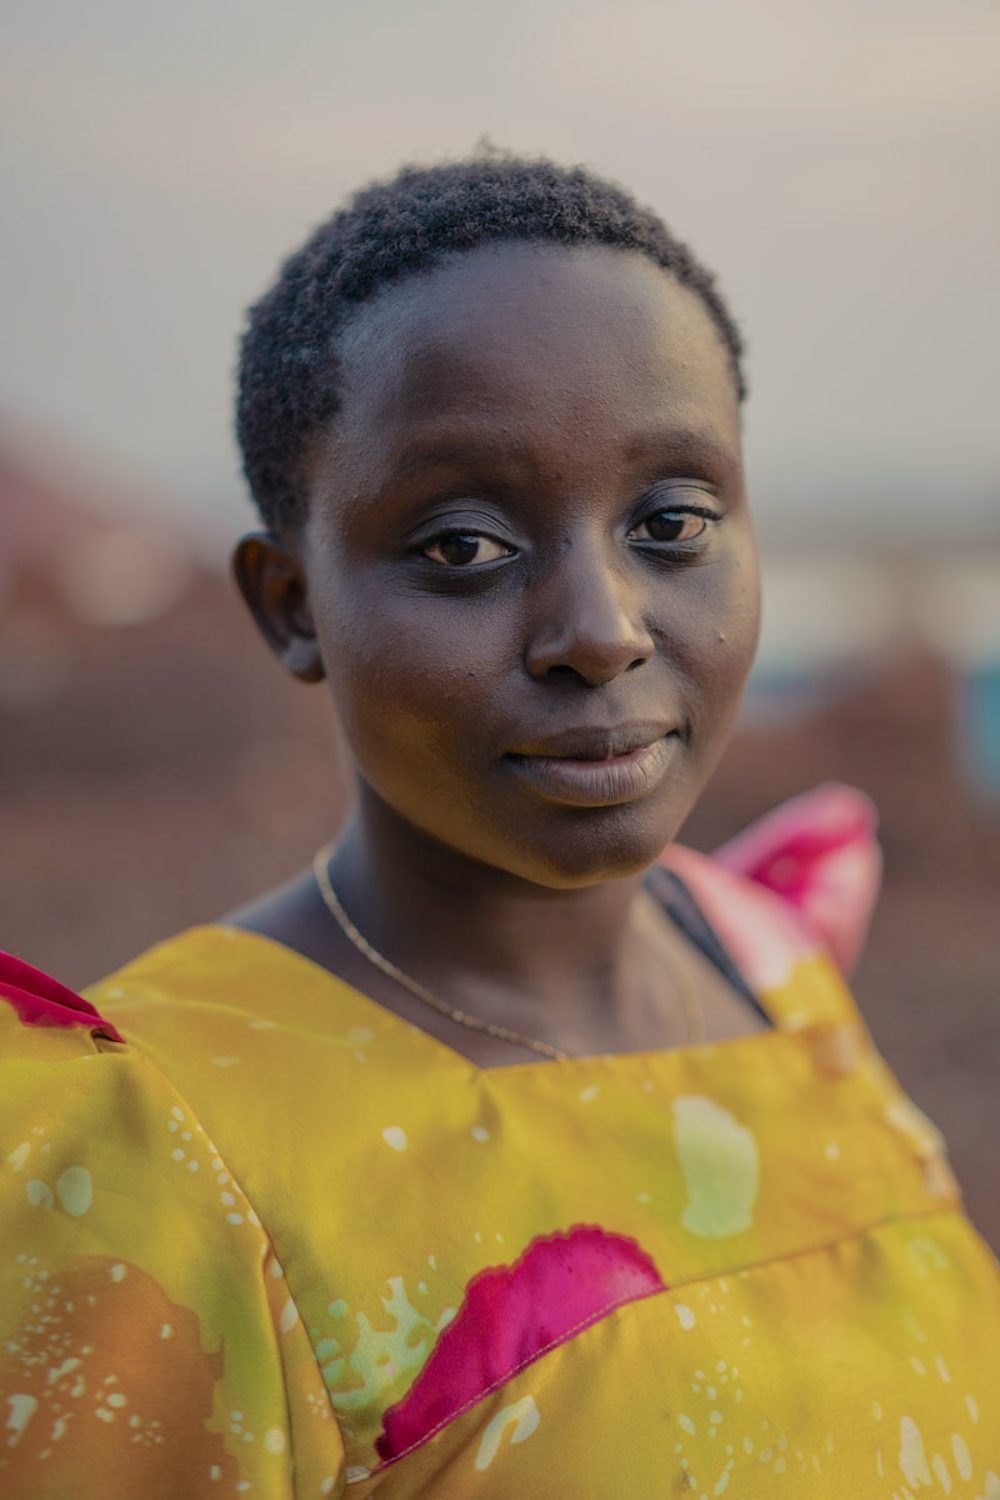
605, 1312
138, 1050
783, 1257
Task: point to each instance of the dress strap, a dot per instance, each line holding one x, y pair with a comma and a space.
677, 900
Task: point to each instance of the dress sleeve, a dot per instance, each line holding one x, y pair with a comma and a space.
819, 853
150, 1345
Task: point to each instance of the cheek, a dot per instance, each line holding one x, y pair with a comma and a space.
716, 641
409, 674
740, 630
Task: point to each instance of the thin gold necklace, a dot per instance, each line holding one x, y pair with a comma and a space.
321, 862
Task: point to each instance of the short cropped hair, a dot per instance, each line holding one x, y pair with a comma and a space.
287, 384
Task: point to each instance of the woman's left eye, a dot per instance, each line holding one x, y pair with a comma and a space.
673, 526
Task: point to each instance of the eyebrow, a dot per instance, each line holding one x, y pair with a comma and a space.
684, 444
679, 444
419, 456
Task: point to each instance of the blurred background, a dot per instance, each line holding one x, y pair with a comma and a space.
837, 165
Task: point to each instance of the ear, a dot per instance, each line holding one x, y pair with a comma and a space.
272, 581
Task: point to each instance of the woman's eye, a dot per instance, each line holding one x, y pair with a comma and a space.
462, 549
674, 526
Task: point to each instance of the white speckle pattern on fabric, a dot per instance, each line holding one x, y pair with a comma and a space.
280, 1243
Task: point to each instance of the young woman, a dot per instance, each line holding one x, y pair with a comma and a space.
512, 1149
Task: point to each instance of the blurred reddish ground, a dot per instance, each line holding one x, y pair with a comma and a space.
167, 770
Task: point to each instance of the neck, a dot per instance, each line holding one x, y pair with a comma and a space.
465, 928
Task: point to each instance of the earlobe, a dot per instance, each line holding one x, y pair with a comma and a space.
273, 583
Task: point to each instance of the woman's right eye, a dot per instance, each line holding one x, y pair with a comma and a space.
464, 549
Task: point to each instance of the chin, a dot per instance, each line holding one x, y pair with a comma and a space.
586, 846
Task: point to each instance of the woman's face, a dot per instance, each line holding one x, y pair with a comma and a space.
527, 520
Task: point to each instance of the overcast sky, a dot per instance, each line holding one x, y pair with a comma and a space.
838, 164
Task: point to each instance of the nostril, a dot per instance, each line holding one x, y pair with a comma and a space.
562, 669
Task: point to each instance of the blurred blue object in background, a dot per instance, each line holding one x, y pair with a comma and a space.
979, 720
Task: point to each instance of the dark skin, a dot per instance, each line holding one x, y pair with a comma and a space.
528, 516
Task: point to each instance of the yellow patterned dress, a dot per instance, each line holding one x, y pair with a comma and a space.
262, 1237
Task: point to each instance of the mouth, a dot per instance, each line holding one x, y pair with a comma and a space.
601, 779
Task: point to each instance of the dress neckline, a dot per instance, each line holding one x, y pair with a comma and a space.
393, 1022
675, 898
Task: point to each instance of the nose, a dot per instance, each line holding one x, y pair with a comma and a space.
589, 620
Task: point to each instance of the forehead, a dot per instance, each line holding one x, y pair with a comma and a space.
535, 344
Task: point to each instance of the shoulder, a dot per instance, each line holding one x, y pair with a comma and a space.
75, 1093
122, 1255
800, 882
214, 988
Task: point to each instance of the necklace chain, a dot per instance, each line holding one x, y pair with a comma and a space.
321, 870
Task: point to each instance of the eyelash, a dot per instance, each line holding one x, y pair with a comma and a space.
679, 546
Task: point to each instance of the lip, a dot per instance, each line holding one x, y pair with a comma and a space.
596, 742
597, 782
